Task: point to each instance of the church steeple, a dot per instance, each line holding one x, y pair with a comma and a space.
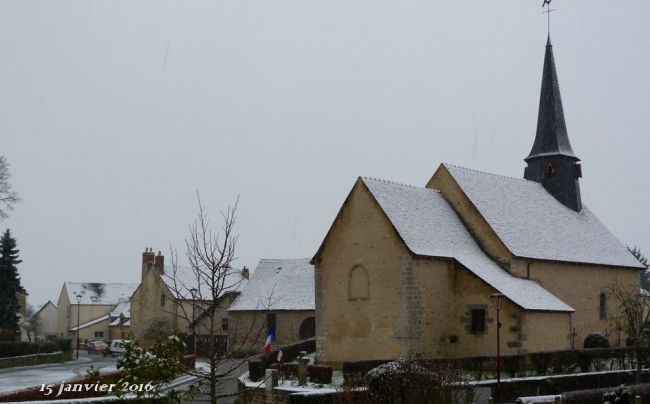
551, 160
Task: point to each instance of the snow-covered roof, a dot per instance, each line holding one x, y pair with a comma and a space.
116, 322
533, 224
278, 284
89, 323
99, 293
430, 227
187, 279
122, 308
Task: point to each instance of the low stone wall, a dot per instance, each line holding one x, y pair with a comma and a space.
35, 359
511, 389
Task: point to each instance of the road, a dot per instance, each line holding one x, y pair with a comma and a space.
15, 379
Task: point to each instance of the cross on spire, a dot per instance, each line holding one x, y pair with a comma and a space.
547, 3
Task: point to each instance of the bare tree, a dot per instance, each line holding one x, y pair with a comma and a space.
30, 323
7, 196
204, 291
634, 315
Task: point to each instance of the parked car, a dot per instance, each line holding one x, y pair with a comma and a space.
117, 346
99, 347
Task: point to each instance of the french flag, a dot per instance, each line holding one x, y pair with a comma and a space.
270, 339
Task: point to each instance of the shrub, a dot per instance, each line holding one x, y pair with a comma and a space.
13, 348
156, 367
407, 381
596, 340
621, 395
320, 374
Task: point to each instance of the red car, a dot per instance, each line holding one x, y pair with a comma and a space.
99, 347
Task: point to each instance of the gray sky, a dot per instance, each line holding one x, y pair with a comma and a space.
112, 115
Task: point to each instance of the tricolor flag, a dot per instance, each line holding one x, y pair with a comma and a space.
280, 357
270, 338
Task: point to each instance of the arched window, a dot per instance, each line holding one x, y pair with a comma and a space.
603, 306
307, 328
359, 283
549, 171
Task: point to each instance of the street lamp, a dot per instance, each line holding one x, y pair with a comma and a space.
496, 301
194, 293
78, 305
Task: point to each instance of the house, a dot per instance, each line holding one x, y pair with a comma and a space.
176, 298
120, 320
42, 326
84, 308
408, 270
279, 296
46, 317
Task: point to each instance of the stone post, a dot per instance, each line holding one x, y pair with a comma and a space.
302, 370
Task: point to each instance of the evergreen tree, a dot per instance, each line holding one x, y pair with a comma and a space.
645, 274
9, 286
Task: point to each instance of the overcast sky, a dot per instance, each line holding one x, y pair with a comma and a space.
114, 113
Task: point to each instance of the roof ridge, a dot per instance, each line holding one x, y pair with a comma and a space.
399, 183
284, 259
488, 173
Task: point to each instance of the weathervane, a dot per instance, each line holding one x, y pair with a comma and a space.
547, 3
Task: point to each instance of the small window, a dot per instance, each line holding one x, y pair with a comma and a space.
224, 324
549, 171
99, 334
478, 321
162, 298
603, 306
270, 322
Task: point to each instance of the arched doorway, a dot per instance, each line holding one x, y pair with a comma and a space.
308, 328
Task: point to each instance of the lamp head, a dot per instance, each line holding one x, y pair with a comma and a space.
496, 300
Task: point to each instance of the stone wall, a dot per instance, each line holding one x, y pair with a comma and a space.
248, 331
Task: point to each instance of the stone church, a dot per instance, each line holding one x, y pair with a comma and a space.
408, 270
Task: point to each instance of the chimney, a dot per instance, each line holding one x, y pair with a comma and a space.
151, 261
245, 273
159, 261
148, 256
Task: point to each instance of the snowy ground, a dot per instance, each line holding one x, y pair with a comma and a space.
20, 378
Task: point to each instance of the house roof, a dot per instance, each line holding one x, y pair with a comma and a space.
430, 227
186, 279
278, 284
40, 308
122, 308
99, 293
89, 323
116, 322
533, 224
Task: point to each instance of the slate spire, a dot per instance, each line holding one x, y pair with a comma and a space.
551, 160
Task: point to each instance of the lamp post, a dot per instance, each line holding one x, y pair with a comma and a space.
77, 336
194, 292
496, 301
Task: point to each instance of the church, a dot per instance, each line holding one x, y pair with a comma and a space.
409, 270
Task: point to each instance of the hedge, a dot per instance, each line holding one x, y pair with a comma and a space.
12, 348
538, 364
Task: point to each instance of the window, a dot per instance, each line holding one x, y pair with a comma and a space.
270, 322
358, 283
549, 171
162, 298
478, 321
99, 334
197, 312
224, 324
603, 306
